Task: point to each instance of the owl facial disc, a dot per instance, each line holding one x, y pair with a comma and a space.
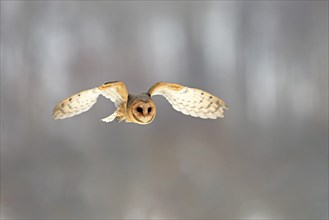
144, 111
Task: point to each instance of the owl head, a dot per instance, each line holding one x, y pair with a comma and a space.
143, 109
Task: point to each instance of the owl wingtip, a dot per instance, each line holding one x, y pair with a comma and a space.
225, 106
56, 116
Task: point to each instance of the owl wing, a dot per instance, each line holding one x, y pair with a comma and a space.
190, 101
84, 100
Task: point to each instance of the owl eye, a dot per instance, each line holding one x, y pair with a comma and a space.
140, 110
149, 109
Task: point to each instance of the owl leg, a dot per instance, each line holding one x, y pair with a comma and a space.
110, 117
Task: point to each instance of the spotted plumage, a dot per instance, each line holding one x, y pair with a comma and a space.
141, 108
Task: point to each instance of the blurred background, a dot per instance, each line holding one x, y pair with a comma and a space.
268, 158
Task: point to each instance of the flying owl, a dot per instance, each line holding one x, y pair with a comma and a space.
141, 108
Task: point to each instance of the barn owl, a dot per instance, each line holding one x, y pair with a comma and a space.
141, 108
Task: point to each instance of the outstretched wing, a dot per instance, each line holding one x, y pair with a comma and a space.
190, 101
84, 100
